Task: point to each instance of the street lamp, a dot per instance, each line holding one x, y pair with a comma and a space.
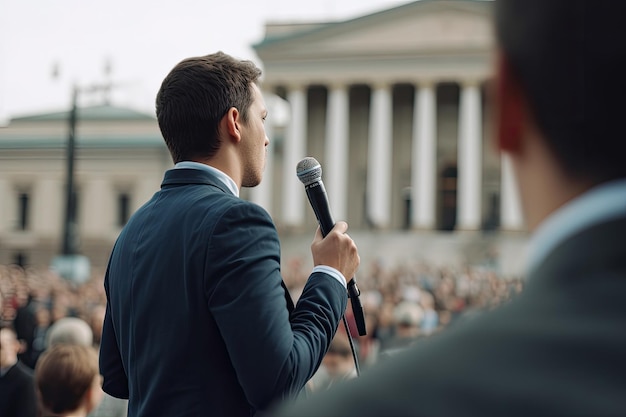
70, 264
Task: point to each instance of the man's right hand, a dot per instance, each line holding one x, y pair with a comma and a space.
336, 250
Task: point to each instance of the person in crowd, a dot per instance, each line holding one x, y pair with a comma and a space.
407, 320
17, 390
68, 381
430, 320
337, 365
70, 330
198, 318
76, 331
557, 348
96, 321
40, 334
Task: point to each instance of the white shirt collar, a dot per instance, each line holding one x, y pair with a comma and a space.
602, 203
228, 181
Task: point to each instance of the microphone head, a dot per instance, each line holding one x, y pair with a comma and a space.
309, 170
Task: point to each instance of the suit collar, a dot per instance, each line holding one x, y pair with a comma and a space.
185, 176
221, 175
594, 247
600, 204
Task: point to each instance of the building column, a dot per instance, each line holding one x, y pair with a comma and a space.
99, 208
46, 216
262, 193
6, 216
335, 172
511, 217
379, 157
295, 148
469, 158
424, 158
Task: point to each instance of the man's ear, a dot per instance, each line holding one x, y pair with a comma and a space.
510, 107
231, 123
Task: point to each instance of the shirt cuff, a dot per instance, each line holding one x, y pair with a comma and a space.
332, 272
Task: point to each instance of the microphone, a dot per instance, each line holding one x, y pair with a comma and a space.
310, 174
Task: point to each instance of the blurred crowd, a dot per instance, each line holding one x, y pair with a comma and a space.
50, 333
402, 304
32, 299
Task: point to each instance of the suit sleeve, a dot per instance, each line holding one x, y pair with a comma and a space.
274, 354
111, 366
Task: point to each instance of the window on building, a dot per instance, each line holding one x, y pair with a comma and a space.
20, 259
23, 211
123, 208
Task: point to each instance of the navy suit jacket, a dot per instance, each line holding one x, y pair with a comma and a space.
558, 349
198, 319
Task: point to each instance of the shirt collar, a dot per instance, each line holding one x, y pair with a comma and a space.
228, 181
602, 203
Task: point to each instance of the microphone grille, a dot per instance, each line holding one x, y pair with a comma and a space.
309, 170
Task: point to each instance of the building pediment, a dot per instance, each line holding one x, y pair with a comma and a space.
421, 27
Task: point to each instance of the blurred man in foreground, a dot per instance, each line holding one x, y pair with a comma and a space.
559, 348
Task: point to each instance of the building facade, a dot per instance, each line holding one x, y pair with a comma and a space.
119, 162
394, 105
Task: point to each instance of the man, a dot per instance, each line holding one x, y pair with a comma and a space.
557, 349
337, 365
198, 320
68, 381
76, 331
69, 330
17, 389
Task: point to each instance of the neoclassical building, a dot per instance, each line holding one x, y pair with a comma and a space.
394, 105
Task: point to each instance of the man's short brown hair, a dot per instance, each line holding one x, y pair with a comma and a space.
63, 375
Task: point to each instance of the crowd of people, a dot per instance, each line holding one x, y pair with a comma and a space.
407, 301
50, 332
402, 303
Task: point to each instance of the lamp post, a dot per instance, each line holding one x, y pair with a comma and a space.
69, 225
70, 264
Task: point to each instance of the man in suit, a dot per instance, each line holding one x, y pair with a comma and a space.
17, 387
557, 349
198, 319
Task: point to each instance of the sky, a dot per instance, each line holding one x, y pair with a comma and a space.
47, 46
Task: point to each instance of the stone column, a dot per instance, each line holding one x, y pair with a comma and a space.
99, 208
47, 209
511, 217
294, 151
470, 158
424, 158
335, 171
379, 157
5, 207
